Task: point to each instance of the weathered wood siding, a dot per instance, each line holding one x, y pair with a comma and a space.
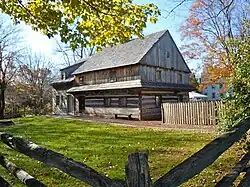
104, 76
158, 55
95, 105
166, 57
148, 73
149, 110
111, 111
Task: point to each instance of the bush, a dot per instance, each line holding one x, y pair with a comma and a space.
237, 104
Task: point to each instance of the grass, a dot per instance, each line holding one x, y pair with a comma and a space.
105, 148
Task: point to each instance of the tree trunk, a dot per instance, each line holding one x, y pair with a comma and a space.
2, 101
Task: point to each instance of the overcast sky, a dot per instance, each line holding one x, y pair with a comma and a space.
41, 44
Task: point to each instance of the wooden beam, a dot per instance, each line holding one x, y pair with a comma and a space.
73, 168
203, 158
230, 178
4, 183
137, 170
22, 175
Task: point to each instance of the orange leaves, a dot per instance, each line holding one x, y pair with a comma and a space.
198, 4
195, 22
214, 74
210, 27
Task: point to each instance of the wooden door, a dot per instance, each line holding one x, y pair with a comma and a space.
69, 103
81, 104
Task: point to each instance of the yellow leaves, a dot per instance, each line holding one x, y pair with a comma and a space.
78, 22
153, 20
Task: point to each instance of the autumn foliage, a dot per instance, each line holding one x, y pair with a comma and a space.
208, 28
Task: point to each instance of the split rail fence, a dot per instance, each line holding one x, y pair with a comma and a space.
136, 170
191, 113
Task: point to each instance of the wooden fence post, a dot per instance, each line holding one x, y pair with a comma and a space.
22, 175
137, 170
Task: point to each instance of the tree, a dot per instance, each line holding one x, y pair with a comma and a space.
33, 83
237, 104
72, 56
82, 22
193, 81
9, 55
209, 26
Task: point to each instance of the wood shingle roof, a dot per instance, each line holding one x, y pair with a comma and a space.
120, 55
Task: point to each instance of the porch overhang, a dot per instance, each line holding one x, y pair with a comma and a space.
107, 86
63, 81
132, 85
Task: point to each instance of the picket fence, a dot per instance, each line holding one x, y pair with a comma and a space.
192, 113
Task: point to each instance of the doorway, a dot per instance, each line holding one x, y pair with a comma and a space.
81, 104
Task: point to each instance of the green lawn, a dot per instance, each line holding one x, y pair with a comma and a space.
106, 147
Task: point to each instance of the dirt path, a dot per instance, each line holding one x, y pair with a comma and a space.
143, 124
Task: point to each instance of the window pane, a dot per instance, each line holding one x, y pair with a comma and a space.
180, 77
81, 80
168, 54
158, 75
112, 76
57, 100
62, 100
106, 101
123, 101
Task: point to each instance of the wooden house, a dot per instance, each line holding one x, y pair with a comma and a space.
131, 79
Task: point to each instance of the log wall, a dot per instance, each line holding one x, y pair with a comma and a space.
95, 105
126, 73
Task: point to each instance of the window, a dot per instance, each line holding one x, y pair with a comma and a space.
57, 100
123, 101
180, 77
112, 76
213, 95
180, 98
63, 76
62, 100
158, 101
158, 75
168, 54
81, 80
107, 101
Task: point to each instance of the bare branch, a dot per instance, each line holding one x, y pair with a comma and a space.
175, 7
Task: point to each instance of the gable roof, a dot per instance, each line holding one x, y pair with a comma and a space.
75, 65
121, 55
